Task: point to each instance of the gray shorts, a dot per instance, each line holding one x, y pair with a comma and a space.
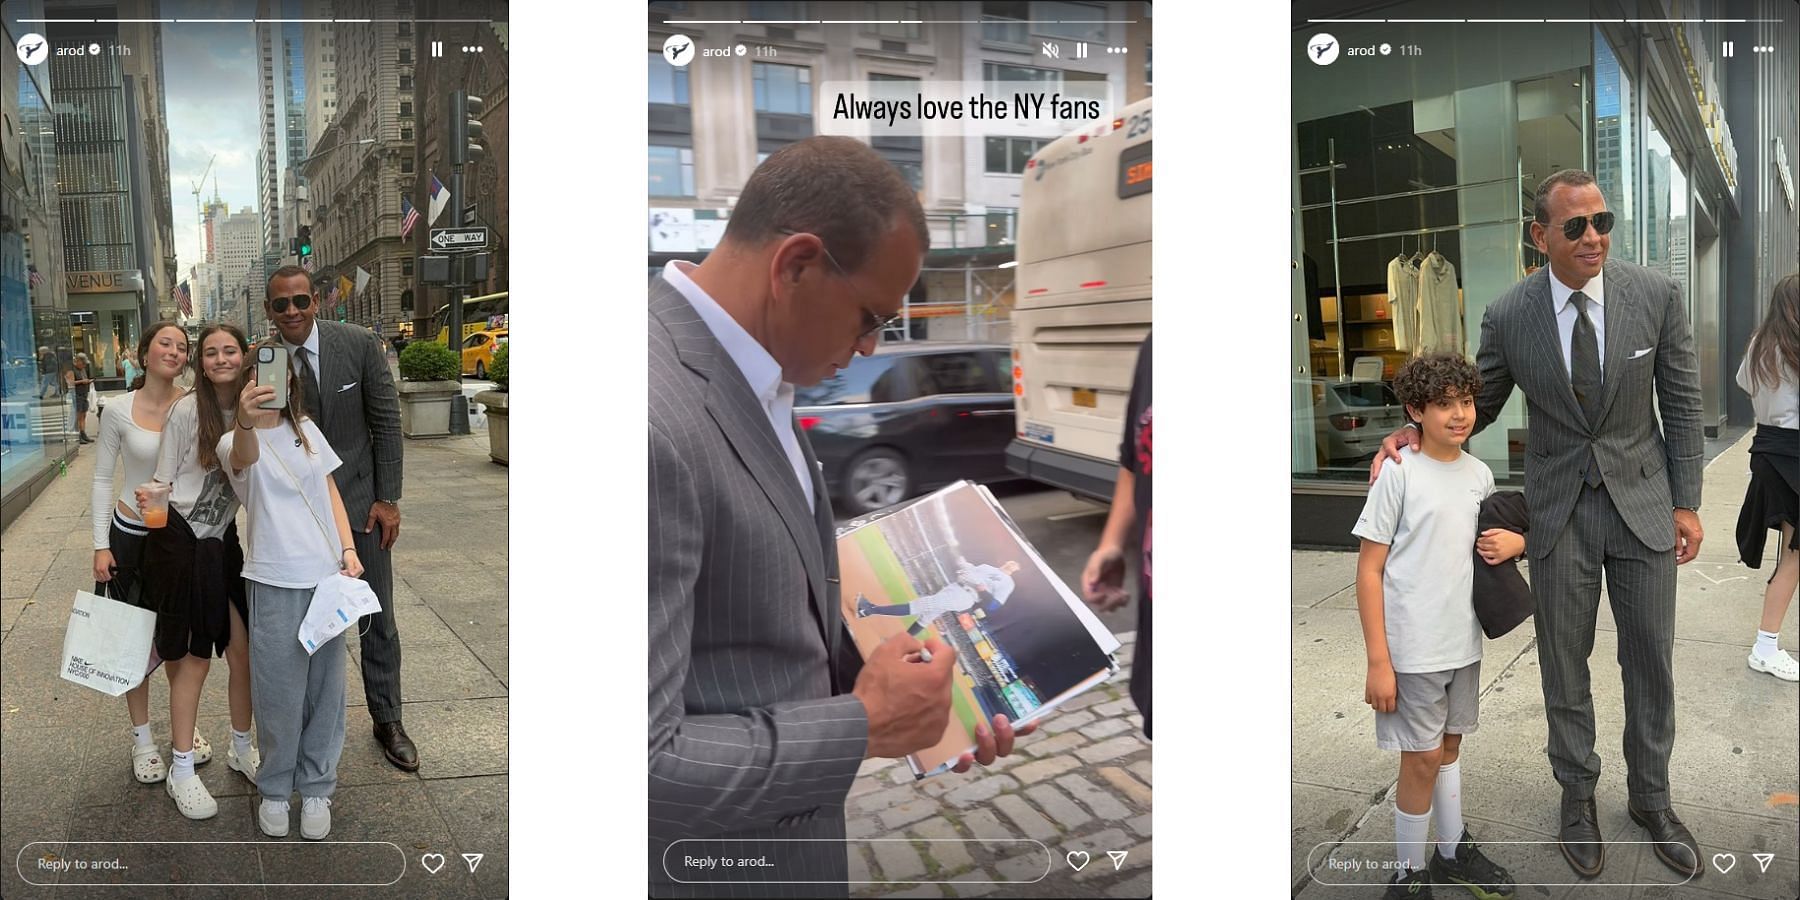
1427, 705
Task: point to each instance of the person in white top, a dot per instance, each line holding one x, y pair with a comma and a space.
194, 563
1771, 375
299, 535
129, 438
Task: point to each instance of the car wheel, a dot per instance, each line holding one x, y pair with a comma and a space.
878, 478
480, 370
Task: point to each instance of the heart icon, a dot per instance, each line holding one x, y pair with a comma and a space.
432, 862
1724, 861
1078, 859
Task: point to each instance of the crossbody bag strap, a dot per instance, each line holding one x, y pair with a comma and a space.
330, 537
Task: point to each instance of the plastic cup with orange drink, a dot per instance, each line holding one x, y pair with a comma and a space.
156, 504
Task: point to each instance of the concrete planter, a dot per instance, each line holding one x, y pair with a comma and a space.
495, 404
425, 408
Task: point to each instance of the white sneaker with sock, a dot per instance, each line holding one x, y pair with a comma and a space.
1409, 838
272, 817
315, 817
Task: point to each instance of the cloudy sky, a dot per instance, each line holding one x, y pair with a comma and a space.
210, 75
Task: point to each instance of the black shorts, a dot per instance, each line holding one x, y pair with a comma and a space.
127, 545
81, 399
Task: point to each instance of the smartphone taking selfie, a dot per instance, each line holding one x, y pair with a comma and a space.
272, 370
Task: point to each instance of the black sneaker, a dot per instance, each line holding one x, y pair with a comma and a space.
1410, 885
1472, 870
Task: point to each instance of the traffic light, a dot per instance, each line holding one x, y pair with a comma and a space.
465, 129
304, 246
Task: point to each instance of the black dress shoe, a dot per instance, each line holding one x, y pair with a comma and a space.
1675, 846
396, 746
1580, 836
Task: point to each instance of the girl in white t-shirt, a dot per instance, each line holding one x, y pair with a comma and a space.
1770, 374
196, 561
298, 535
130, 437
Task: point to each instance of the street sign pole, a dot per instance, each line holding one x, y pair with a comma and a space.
459, 409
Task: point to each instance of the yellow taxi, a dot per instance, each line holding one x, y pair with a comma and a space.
478, 351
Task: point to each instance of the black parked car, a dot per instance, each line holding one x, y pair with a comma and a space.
911, 418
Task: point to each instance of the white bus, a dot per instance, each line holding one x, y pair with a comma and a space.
1082, 301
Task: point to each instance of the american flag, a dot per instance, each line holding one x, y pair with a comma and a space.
36, 279
409, 216
184, 299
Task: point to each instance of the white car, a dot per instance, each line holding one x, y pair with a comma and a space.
1351, 417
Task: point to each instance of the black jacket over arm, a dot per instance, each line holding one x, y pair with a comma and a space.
1502, 598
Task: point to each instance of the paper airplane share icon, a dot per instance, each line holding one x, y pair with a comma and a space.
1763, 860
1118, 857
473, 859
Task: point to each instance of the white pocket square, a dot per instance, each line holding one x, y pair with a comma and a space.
353, 384
1637, 353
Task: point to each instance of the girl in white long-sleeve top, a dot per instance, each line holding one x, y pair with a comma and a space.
1771, 374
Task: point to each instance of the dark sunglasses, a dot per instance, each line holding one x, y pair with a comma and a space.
873, 322
1576, 226
302, 301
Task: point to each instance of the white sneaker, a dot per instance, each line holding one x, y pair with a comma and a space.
1781, 665
315, 817
192, 798
147, 765
245, 765
272, 818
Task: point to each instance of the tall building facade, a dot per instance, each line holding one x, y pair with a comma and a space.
240, 256
113, 168
355, 187
271, 152
319, 49
35, 333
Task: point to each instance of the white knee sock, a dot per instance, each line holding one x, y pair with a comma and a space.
184, 764
1765, 643
140, 734
1409, 838
1446, 802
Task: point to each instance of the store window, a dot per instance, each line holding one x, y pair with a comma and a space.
1665, 211
1616, 141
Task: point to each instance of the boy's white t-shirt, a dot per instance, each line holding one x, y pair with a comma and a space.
284, 545
1426, 511
204, 497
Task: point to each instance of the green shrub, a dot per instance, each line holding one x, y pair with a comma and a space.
497, 369
428, 361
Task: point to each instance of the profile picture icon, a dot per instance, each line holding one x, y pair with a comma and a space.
678, 49
33, 49
1322, 49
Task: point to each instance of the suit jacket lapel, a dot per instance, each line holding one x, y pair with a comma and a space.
1621, 290
738, 413
330, 354
1541, 320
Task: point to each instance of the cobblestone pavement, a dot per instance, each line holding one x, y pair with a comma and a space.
1079, 785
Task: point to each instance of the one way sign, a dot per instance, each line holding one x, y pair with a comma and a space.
459, 240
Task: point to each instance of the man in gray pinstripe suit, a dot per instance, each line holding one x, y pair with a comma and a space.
761, 710
1599, 347
350, 396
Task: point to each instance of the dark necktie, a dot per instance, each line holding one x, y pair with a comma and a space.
1584, 375
309, 383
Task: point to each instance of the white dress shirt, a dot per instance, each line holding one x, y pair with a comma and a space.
312, 351
760, 370
1560, 293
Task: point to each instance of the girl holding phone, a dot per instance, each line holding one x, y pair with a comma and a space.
130, 437
196, 560
299, 535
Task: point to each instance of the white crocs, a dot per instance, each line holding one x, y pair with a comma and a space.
192, 797
147, 764
247, 767
1781, 665
202, 749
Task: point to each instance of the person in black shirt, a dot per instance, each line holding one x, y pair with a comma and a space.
1103, 581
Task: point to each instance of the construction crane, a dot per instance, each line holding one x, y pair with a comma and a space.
199, 214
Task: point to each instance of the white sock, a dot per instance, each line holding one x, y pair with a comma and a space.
140, 735
184, 764
1409, 838
1765, 643
240, 743
1446, 802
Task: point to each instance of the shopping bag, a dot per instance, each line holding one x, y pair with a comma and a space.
337, 602
107, 643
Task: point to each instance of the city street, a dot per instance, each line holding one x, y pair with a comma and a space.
66, 774
1080, 786
1733, 774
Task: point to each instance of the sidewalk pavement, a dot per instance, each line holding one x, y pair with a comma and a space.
1734, 770
65, 773
1080, 786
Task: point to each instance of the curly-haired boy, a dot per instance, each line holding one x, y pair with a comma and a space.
1413, 592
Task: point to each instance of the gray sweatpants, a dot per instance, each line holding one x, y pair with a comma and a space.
298, 699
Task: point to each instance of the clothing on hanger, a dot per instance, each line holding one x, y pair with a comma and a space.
1440, 306
1403, 305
